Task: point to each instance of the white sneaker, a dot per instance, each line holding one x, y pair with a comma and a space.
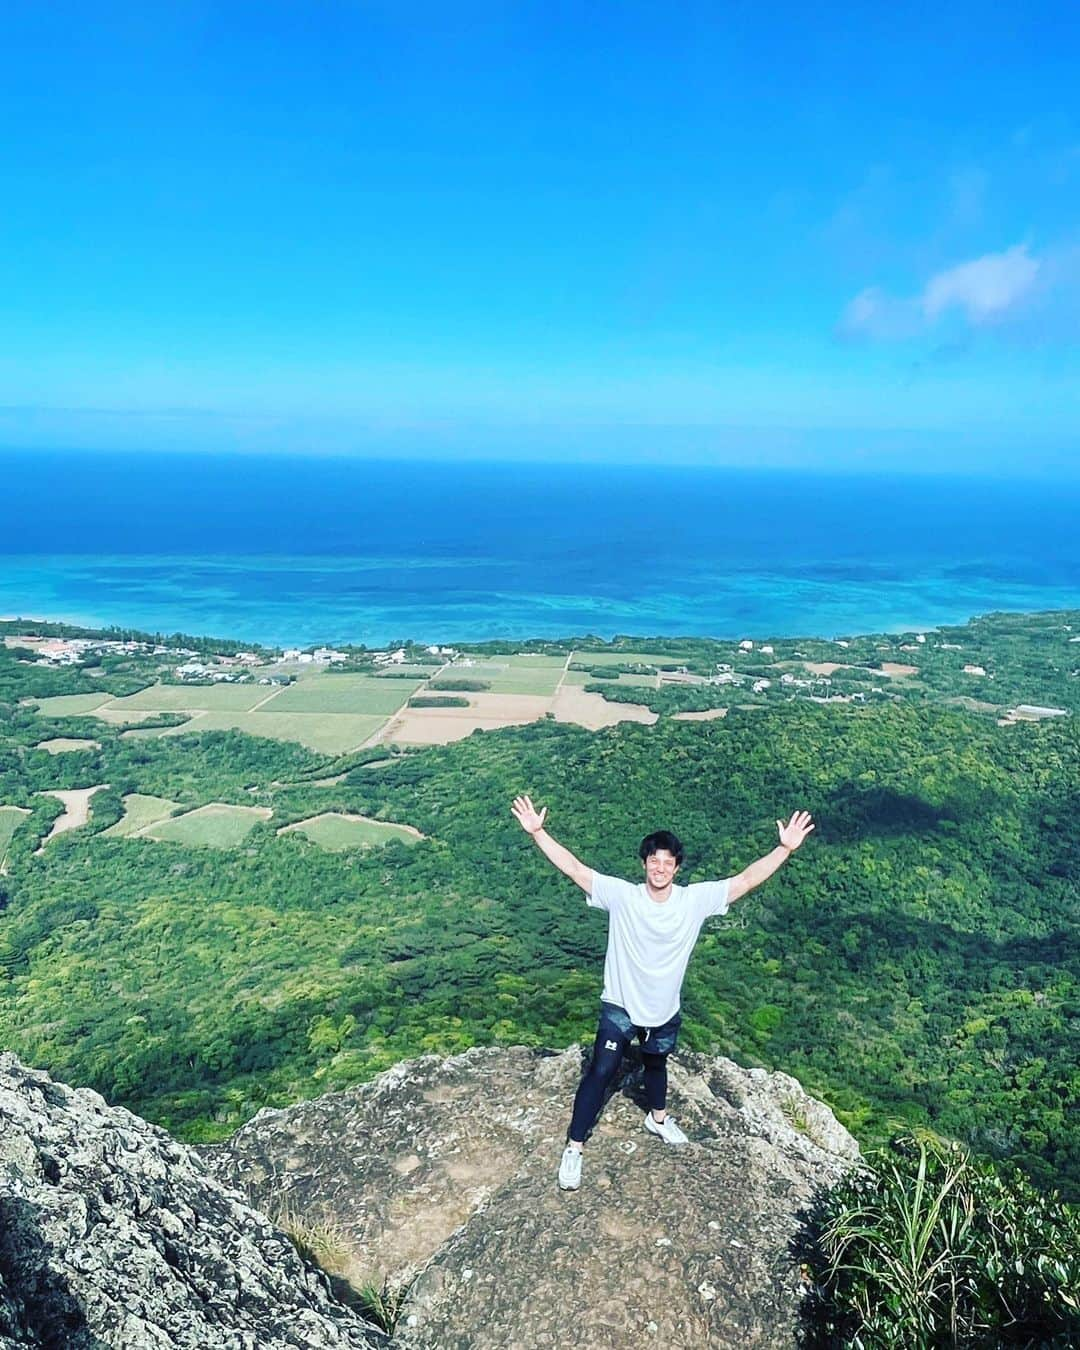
570, 1169
667, 1130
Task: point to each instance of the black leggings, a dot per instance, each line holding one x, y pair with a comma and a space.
606, 1057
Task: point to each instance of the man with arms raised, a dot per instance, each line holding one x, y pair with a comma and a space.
652, 929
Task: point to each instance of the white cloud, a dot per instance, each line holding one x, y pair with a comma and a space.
984, 288
882, 317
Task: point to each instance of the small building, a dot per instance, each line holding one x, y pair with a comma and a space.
746, 645
1031, 712
974, 670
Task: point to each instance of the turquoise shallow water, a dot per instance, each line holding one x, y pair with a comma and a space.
284, 550
305, 600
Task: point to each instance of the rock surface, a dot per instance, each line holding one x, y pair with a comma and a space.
441, 1172
114, 1236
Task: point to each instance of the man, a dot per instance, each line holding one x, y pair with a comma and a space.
652, 929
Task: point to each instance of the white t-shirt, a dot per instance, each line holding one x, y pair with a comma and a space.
649, 943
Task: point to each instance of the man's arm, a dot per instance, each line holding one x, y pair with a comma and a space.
791, 836
532, 822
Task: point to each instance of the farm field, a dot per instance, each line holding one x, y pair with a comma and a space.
580, 678
139, 812
71, 705
328, 733
189, 698
593, 711
364, 694
60, 745
486, 712
334, 830
336, 713
215, 826
393, 672
11, 817
149, 733
117, 716
629, 658
533, 675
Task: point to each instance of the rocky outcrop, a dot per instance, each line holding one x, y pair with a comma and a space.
115, 1237
438, 1175
441, 1173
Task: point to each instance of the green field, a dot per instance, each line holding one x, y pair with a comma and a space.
188, 697
71, 705
630, 658
118, 716
364, 694
583, 677
139, 811
10, 819
537, 675
391, 672
328, 733
336, 832
213, 826
522, 661
534, 661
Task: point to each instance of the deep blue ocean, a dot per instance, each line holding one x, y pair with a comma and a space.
297, 550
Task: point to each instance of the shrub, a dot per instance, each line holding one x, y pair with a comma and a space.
926, 1246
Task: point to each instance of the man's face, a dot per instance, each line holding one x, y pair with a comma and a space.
660, 869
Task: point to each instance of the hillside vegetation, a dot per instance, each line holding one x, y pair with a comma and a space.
916, 964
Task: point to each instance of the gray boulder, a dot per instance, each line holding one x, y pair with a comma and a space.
112, 1235
440, 1175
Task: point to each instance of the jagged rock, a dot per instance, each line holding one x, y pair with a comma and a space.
442, 1172
115, 1237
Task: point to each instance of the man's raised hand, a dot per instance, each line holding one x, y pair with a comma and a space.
527, 816
795, 831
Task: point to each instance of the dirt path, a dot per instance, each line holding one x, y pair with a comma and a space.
76, 810
277, 689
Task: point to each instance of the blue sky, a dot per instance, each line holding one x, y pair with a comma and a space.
709, 233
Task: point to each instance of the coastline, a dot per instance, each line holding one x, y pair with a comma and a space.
267, 608
293, 553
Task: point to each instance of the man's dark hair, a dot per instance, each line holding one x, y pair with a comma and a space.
661, 839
